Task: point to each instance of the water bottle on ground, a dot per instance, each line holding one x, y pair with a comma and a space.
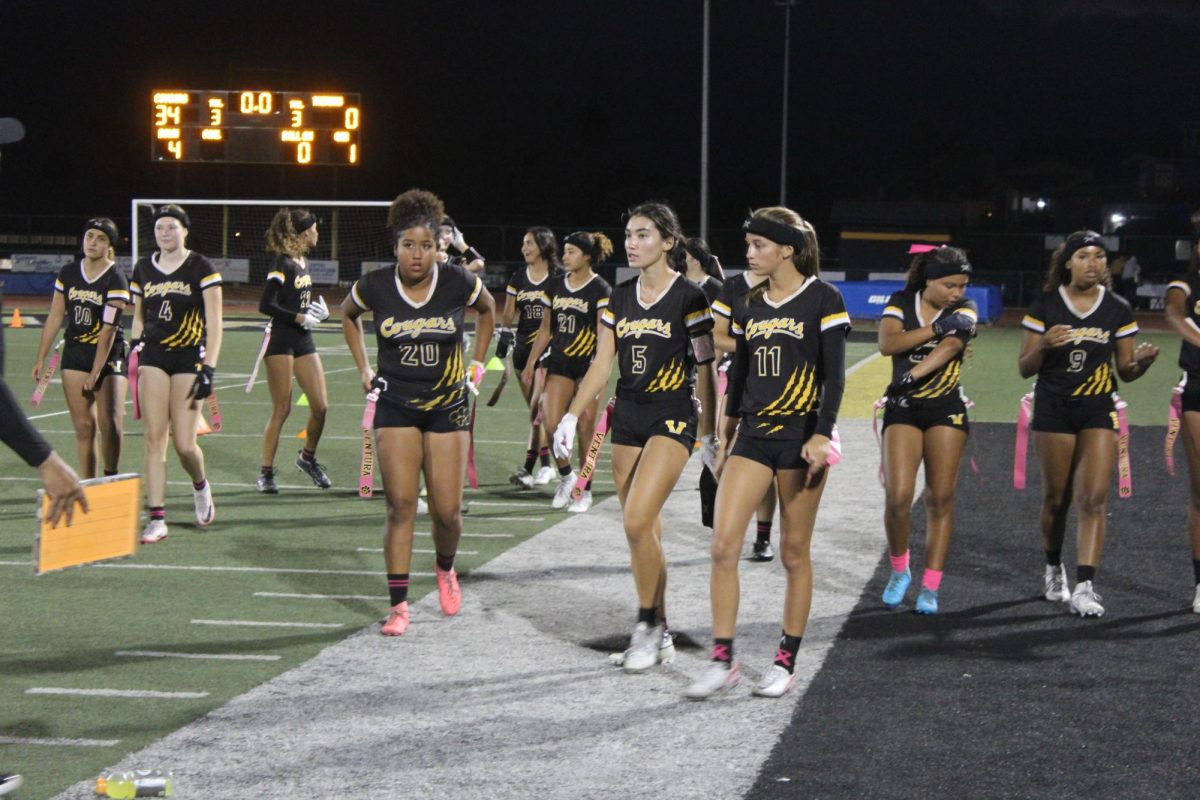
135, 783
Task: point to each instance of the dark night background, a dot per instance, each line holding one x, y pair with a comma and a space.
565, 112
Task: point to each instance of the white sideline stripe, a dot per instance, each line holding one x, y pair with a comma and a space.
504, 519
250, 623
532, 501
60, 742
860, 364
416, 551
197, 656
296, 596
135, 693
476, 535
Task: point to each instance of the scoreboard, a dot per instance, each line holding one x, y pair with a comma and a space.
255, 126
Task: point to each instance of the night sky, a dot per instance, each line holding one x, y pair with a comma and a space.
565, 112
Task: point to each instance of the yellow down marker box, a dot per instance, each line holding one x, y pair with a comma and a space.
108, 530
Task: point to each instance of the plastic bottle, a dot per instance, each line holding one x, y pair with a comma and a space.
135, 783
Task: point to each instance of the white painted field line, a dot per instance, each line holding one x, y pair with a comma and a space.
192, 568
196, 656
297, 596
60, 742
134, 693
533, 500
505, 519
250, 623
856, 367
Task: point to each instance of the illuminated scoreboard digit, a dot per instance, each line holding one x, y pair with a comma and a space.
256, 126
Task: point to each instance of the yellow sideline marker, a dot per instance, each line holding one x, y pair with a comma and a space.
109, 529
864, 386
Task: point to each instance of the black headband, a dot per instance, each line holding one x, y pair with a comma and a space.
580, 240
936, 270
105, 226
1081, 239
174, 212
303, 220
775, 231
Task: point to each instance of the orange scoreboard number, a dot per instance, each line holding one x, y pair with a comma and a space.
255, 126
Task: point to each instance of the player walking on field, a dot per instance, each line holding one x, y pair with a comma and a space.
91, 295
574, 302
1183, 314
423, 408
788, 379
288, 300
925, 329
177, 321
525, 300
1072, 333
658, 327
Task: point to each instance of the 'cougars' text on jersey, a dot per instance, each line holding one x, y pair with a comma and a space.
1083, 366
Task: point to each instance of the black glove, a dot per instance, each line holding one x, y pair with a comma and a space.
203, 386
952, 323
899, 387
506, 341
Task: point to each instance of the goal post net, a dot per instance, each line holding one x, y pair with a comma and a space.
353, 239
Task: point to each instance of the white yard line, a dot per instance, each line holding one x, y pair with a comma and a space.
145, 694
194, 656
252, 623
24, 740
297, 596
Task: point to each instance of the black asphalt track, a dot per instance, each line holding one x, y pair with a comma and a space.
1003, 694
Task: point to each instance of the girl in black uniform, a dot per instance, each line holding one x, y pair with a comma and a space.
288, 300
659, 328
177, 330
925, 328
526, 300
423, 411
88, 294
789, 373
1183, 305
732, 292
1072, 333
574, 302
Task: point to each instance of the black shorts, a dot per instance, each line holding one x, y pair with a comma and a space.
573, 368
636, 419
950, 411
181, 361
79, 357
439, 420
781, 453
1191, 394
287, 341
1056, 414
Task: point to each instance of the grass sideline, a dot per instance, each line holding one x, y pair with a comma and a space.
63, 630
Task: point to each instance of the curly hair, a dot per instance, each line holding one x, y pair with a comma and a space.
415, 208
282, 236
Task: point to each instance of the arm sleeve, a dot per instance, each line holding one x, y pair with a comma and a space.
835, 327
17, 432
269, 304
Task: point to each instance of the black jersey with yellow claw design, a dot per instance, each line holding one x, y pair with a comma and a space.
574, 312
173, 303
1083, 366
531, 301
419, 341
904, 306
84, 300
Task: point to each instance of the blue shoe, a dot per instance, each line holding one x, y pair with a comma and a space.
927, 601
897, 585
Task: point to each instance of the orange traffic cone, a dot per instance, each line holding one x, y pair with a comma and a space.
202, 426
302, 434
16, 319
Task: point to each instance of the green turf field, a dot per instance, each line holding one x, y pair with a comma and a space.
266, 558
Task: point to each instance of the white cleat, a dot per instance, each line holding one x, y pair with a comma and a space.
155, 531
1057, 589
643, 649
206, 512
562, 495
582, 504
1085, 602
544, 476
776, 682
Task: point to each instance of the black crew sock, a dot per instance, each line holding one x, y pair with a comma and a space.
397, 587
268, 471
723, 651
764, 530
158, 512
530, 458
564, 471
445, 563
648, 616
200, 484
1054, 557
308, 455
1196, 569
109, 473
786, 655
1084, 573
544, 456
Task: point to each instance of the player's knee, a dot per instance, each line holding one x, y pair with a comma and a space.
725, 550
795, 559
401, 512
897, 506
1092, 503
939, 503
318, 409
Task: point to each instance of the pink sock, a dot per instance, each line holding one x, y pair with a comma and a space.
932, 579
900, 562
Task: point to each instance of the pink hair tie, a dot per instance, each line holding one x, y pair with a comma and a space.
921, 248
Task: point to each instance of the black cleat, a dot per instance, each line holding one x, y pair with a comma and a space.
762, 551
313, 470
266, 483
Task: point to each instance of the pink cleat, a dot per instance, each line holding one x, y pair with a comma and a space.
449, 595
397, 622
